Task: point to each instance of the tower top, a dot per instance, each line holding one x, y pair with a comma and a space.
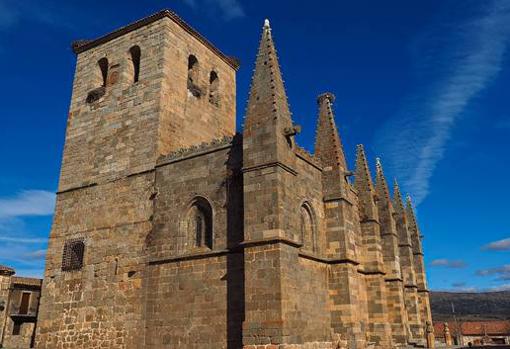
80, 46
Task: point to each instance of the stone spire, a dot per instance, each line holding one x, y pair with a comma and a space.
364, 186
398, 204
328, 146
329, 150
413, 226
381, 185
267, 99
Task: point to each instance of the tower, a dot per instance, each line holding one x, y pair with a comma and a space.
140, 92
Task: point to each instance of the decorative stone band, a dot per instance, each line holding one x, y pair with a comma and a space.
270, 164
198, 149
411, 286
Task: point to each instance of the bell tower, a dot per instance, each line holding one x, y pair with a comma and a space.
143, 91
140, 92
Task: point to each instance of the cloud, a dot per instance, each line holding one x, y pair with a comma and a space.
500, 245
502, 273
457, 264
462, 61
229, 9
12, 253
23, 240
505, 287
474, 289
37, 254
28, 203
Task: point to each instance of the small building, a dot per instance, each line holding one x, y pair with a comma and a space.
19, 303
475, 332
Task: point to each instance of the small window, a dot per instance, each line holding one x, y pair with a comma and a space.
135, 58
16, 328
72, 258
193, 70
103, 66
308, 229
214, 83
25, 303
199, 223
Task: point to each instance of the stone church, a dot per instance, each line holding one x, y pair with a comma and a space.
171, 230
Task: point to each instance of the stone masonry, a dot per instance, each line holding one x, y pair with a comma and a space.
19, 303
171, 230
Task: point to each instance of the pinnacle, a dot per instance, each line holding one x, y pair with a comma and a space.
381, 184
328, 145
397, 197
267, 99
363, 179
410, 212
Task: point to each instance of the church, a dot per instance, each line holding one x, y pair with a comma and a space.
172, 230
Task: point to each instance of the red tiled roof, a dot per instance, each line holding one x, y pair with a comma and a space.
83, 45
475, 328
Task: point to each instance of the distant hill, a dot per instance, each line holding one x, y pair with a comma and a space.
470, 306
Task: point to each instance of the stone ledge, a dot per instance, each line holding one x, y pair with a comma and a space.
196, 150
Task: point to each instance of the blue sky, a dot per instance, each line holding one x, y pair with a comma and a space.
422, 84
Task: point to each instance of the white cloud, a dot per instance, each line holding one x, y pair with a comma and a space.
470, 57
502, 273
443, 262
505, 287
229, 9
28, 203
23, 240
19, 254
500, 245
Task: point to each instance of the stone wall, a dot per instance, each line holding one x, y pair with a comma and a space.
101, 304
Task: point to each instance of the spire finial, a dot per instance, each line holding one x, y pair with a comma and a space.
326, 96
266, 24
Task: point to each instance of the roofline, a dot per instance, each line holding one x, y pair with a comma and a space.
84, 45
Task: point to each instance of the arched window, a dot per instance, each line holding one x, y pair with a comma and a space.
103, 66
72, 258
308, 228
193, 70
135, 59
199, 223
214, 83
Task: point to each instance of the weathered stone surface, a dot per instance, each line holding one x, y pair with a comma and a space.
199, 238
